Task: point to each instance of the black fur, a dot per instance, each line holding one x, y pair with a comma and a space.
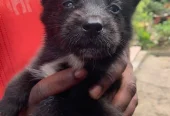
64, 36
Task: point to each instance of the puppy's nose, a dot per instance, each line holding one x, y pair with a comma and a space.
93, 24
92, 27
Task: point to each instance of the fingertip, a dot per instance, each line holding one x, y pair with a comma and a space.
80, 74
96, 92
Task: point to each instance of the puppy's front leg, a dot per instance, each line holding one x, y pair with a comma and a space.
16, 94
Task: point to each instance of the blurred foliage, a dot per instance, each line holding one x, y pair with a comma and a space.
163, 28
142, 18
144, 38
156, 8
148, 34
163, 31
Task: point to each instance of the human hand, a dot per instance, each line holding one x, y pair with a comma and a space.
125, 99
52, 85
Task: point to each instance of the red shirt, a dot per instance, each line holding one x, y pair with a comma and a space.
21, 33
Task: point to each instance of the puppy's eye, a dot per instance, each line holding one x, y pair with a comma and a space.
114, 9
68, 4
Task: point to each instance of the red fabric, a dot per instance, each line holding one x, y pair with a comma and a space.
20, 36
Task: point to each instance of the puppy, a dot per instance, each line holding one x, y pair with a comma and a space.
90, 34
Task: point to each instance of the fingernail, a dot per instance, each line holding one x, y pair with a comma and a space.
96, 92
80, 74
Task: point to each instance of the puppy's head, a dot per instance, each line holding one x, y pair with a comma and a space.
88, 28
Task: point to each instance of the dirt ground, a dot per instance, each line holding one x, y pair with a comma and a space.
153, 84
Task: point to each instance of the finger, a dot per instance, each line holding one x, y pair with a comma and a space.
126, 91
98, 90
132, 106
55, 84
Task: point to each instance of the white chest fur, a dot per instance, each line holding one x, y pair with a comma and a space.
52, 67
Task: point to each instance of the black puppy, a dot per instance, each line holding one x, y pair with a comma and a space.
90, 34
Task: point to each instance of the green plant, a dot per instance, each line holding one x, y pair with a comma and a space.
156, 7
146, 33
163, 28
163, 31
142, 18
143, 37
142, 15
